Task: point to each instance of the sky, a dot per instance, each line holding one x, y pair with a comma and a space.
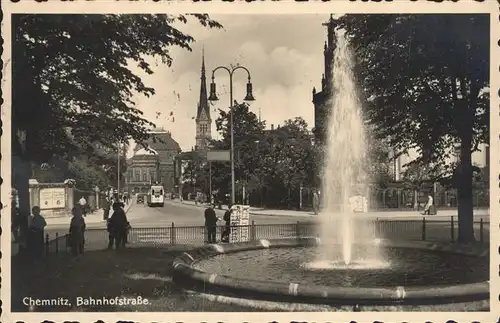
284, 54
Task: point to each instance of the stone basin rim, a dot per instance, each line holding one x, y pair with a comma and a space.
191, 278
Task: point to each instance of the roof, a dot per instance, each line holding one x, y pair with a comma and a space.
160, 140
144, 152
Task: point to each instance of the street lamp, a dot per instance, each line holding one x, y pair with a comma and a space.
248, 97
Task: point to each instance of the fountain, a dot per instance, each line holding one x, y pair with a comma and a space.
349, 264
345, 174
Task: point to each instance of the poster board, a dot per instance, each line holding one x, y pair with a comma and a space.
359, 204
52, 198
240, 220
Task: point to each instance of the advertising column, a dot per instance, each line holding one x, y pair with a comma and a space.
240, 219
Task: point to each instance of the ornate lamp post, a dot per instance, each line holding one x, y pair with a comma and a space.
248, 97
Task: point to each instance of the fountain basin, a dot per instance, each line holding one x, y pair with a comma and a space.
191, 278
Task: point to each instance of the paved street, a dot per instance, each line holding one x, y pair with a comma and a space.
190, 215
142, 216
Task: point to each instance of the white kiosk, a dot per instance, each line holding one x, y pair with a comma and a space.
240, 220
359, 204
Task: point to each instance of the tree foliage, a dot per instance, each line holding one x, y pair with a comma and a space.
277, 161
73, 83
426, 81
99, 170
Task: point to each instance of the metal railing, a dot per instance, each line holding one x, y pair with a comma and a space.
424, 229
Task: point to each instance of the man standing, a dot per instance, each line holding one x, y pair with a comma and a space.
211, 224
83, 204
118, 227
227, 227
77, 232
36, 226
315, 202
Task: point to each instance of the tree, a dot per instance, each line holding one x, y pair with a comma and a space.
73, 84
248, 130
290, 161
426, 81
277, 161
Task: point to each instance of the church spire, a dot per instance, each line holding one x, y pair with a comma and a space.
203, 108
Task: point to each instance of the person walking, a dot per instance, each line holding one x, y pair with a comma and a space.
77, 232
118, 226
83, 205
36, 227
428, 207
106, 208
211, 224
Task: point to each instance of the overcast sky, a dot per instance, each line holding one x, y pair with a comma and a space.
284, 54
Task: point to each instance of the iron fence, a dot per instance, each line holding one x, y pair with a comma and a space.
428, 230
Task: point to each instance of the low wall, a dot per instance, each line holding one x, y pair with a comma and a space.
193, 279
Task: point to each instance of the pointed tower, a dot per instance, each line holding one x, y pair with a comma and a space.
203, 120
323, 97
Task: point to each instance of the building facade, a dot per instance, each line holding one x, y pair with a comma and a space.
322, 99
153, 164
203, 119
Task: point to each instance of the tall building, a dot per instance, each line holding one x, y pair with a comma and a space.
157, 164
322, 99
203, 120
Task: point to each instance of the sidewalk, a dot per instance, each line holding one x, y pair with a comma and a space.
389, 214
95, 218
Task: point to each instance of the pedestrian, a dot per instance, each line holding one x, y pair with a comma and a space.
15, 222
227, 227
429, 205
77, 232
118, 226
211, 224
36, 227
315, 202
106, 207
111, 237
83, 204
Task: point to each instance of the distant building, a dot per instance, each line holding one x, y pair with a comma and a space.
153, 164
322, 99
203, 119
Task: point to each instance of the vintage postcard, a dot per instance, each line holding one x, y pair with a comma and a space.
250, 162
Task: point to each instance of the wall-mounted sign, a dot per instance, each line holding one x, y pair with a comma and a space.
52, 198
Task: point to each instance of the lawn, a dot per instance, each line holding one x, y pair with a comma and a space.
131, 272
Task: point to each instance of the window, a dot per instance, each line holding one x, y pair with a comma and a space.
203, 128
137, 175
144, 175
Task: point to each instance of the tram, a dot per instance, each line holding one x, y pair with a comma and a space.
156, 196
